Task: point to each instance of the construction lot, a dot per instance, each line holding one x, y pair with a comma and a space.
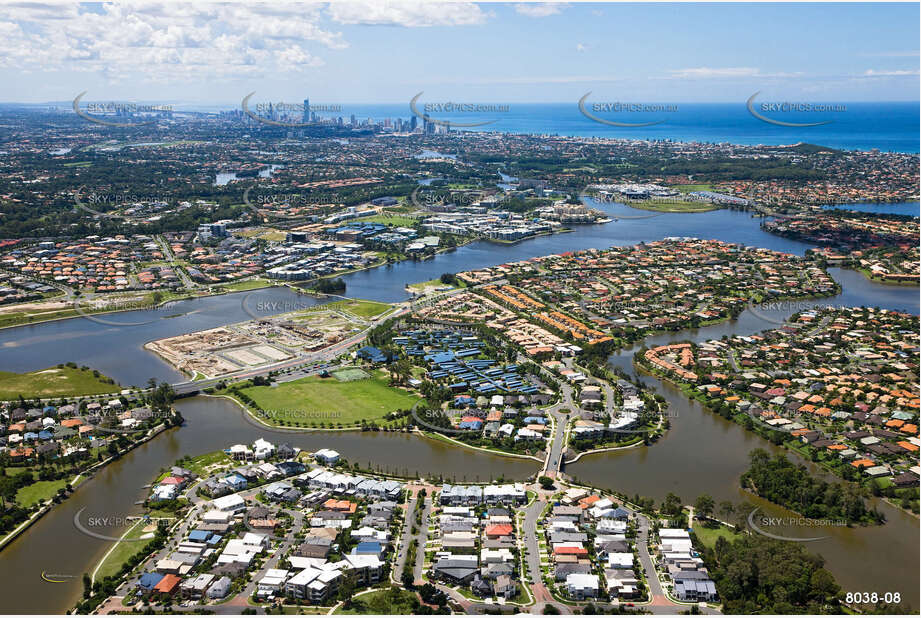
265, 341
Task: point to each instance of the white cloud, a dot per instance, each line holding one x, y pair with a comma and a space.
581, 48
872, 73
708, 72
163, 40
407, 14
724, 72
542, 9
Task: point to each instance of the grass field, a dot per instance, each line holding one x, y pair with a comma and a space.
43, 312
314, 400
394, 220
122, 551
53, 382
383, 602
360, 308
670, 206
249, 284
709, 535
201, 464
349, 374
15, 318
38, 491
435, 283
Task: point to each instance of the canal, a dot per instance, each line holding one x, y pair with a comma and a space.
702, 453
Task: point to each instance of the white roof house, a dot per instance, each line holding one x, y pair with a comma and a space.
326, 455
582, 585
620, 560
229, 504
263, 449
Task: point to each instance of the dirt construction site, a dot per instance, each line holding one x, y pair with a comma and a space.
254, 343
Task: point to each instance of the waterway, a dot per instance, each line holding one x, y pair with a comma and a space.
702, 453
705, 453
54, 545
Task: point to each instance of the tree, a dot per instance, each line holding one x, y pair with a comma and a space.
671, 505
545, 482
704, 506
726, 510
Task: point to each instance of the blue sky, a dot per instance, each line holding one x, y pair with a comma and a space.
387, 52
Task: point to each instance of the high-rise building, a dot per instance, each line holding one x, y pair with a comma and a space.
352, 120
306, 113
413, 122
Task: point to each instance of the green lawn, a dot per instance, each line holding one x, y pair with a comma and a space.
436, 283
671, 206
38, 491
708, 535
199, 465
394, 220
360, 308
314, 400
383, 602
122, 551
15, 318
54, 382
249, 284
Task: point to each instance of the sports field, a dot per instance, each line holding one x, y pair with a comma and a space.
313, 400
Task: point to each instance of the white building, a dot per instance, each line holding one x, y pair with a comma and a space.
582, 586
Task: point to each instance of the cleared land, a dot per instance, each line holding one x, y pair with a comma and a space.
395, 220
314, 400
54, 382
670, 206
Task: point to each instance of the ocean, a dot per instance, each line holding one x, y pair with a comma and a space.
889, 127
